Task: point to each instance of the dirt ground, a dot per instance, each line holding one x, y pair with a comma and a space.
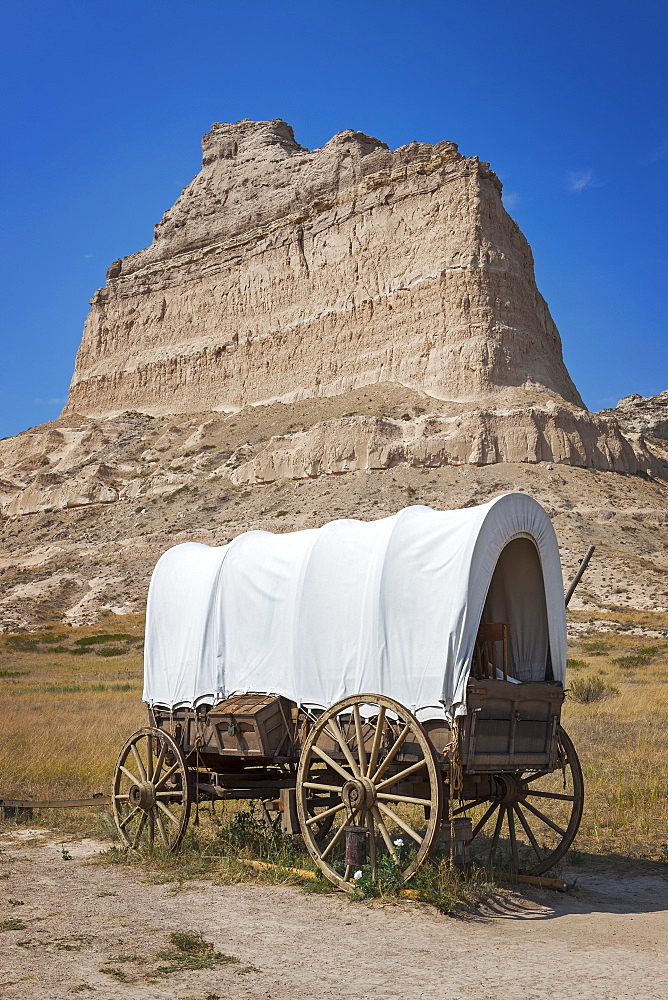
94, 931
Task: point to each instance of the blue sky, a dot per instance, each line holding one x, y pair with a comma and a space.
104, 105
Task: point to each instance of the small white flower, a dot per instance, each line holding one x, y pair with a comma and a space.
398, 842
357, 875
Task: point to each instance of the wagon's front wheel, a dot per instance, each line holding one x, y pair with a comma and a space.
151, 794
368, 768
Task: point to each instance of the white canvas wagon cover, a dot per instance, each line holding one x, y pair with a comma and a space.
390, 607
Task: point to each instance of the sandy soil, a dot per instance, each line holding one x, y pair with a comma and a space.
605, 939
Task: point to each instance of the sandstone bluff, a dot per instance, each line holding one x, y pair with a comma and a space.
301, 314
282, 273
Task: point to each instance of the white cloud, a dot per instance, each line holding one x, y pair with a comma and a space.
511, 199
579, 181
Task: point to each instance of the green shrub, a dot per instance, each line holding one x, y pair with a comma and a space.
637, 658
98, 640
588, 689
596, 647
576, 664
22, 643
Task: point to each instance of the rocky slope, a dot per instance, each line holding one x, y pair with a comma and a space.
80, 541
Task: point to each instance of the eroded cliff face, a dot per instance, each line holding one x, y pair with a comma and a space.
283, 273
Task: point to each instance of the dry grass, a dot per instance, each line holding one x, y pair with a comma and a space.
65, 709
623, 744
64, 716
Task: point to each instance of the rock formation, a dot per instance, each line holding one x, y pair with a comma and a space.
642, 414
283, 273
540, 432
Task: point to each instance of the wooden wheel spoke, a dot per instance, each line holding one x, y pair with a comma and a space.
167, 775
347, 873
167, 812
161, 760
401, 775
343, 743
361, 752
331, 763
529, 832
378, 736
497, 831
149, 758
544, 818
316, 786
151, 828
334, 841
513, 838
139, 762
534, 777
550, 795
372, 842
161, 828
479, 825
130, 816
469, 805
385, 834
323, 815
400, 822
130, 775
410, 799
394, 750
139, 830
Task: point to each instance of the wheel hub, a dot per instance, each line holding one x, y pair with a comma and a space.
359, 793
508, 789
142, 795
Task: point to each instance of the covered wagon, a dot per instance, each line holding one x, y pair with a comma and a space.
382, 688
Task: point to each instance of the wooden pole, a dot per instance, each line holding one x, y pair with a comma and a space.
578, 576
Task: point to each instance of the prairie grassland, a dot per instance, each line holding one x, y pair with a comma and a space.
67, 705
71, 697
622, 742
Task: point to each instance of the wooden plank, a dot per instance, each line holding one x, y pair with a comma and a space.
96, 800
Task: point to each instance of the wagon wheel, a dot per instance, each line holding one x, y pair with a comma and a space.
533, 817
368, 763
151, 795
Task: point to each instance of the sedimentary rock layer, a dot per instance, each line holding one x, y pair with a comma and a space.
549, 433
283, 273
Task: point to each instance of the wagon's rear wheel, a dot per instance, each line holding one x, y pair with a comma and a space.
151, 795
368, 764
532, 818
